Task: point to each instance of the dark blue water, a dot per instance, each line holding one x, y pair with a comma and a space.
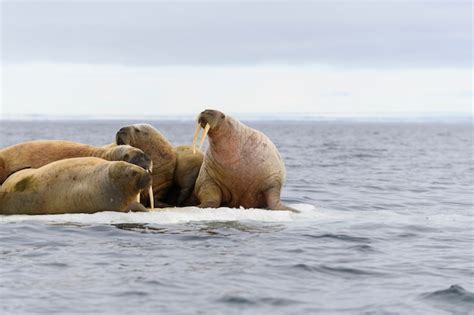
386, 228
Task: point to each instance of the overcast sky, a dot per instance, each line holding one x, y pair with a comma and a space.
164, 58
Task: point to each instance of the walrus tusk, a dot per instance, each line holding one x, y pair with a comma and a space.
138, 198
206, 130
196, 134
152, 199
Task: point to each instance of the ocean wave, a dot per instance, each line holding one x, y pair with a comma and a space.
454, 294
455, 299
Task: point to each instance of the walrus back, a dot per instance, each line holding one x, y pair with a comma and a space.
35, 154
69, 185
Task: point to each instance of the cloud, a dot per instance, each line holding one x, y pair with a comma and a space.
346, 34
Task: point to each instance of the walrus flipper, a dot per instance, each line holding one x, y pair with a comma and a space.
184, 195
136, 207
209, 195
273, 200
187, 186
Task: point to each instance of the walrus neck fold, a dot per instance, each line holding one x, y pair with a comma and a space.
159, 150
225, 142
114, 153
103, 153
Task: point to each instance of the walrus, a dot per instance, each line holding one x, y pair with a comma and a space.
188, 164
85, 184
34, 154
241, 168
160, 151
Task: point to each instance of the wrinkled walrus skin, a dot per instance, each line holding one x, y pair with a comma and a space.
242, 167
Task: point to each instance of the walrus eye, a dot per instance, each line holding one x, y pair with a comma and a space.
137, 130
222, 116
126, 157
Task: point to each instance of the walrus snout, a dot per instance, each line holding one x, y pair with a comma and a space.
137, 176
144, 181
202, 121
121, 137
207, 119
209, 116
204, 118
143, 161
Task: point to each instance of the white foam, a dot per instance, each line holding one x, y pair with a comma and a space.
172, 216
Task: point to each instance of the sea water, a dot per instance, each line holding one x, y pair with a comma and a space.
386, 227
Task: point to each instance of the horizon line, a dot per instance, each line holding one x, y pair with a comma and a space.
433, 116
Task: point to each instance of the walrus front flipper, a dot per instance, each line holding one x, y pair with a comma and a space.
209, 195
187, 186
184, 195
273, 200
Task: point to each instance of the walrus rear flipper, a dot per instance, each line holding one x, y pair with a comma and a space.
273, 201
3, 172
287, 208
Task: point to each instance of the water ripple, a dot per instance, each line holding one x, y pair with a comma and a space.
340, 237
337, 271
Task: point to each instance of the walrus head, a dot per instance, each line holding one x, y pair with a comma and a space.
131, 155
147, 138
210, 120
135, 135
131, 178
137, 157
154, 144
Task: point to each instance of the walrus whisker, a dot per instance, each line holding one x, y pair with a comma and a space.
206, 130
196, 134
152, 198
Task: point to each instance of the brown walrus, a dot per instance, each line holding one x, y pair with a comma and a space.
241, 168
74, 185
34, 154
160, 151
188, 164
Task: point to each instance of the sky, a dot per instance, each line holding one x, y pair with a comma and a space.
154, 58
